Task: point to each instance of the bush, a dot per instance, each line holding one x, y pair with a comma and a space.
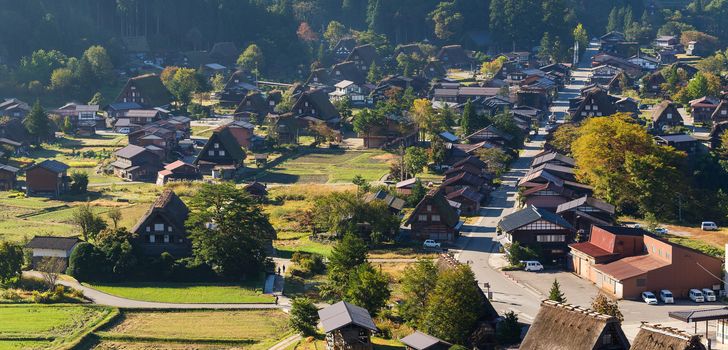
304, 316
11, 295
190, 270
59, 294
86, 263
307, 264
32, 284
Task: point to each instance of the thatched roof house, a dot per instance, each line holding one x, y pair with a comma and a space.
656, 337
567, 327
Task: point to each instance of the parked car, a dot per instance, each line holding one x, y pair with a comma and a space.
430, 243
666, 297
531, 265
708, 226
696, 295
709, 294
649, 298
661, 231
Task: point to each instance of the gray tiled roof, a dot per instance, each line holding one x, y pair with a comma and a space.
531, 214
421, 341
343, 314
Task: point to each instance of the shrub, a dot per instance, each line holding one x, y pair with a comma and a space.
86, 263
304, 316
11, 295
32, 284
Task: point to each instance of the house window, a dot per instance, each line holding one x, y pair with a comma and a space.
211, 153
436, 218
217, 145
429, 207
641, 282
222, 152
166, 238
152, 239
169, 228
550, 238
158, 227
724, 112
595, 107
607, 339
422, 217
149, 228
669, 115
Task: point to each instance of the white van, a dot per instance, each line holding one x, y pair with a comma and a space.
708, 226
696, 295
667, 297
708, 294
531, 265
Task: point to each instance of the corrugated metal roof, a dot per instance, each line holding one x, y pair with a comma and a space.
421, 341
343, 314
632, 266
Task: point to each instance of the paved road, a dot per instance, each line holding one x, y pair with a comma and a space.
478, 241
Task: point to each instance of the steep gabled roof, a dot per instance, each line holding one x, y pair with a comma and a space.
368, 54
130, 151
455, 54
552, 156
343, 314
422, 341
151, 87
448, 215
568, 327
662, 108
586, 200
50, 164
320, 101
466, 192
346, 71
170, 206
253, 100
657, 337
529, 215
381, 195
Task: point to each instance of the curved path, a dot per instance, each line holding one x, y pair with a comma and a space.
101, 298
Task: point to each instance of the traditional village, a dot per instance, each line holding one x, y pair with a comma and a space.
364, 175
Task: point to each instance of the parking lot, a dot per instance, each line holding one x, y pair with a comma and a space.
580, 292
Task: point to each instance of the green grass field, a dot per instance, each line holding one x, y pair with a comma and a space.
254, 329
25, 326
188, 293
329, 166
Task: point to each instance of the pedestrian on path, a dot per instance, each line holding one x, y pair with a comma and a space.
279, 270
284, 268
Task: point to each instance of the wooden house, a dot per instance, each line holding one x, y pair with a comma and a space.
83, 118
434, 218
236, 88
315, 105
225, 52
454, 56
554, 158
253, 103
364, 56
615, 43
343, 48
14, 108
595, 103
652, 83
136, 163
178, 170
629, 106
666, 116
347, 327
490, 134
568, 327
468, 198
681, 142
702, 109
244, 134
346, 70
404, 187
715, 134
49, 177
548, 195
221, 155
146, 90
395, 204
422, 341
433, 69
586, 211
396, 129
162, 228
8, 177
462, 178
541, 229
357, 95
720, 114
256, 189
48, 247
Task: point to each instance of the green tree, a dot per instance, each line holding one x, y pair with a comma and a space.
468, 124
116, 246
580, 35
415, 159
86, 263
252, 59
418, 280
454, 306
368, 288
418, 192
375, 16
438, 151
79, 182
496, 158
346, 256
362, 185
602, 304
304, 316
555, 293
37, 123
114, 214
97, 99
184, 82
229, 230
509, 330
87, 221
11, 262
335, 31
67, 126
448, 21
61, 78
100, 62
374, 74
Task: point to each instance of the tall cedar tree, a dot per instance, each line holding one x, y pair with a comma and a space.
37, 123
418, 281
368, 288
468, 124
346, 256
453, 308
555, 293
304, 316
229, 230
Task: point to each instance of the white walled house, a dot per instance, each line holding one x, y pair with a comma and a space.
52, 247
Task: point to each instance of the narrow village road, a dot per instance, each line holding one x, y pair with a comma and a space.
478, 242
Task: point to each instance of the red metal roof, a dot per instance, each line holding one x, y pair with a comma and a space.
632, 266
591, 249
